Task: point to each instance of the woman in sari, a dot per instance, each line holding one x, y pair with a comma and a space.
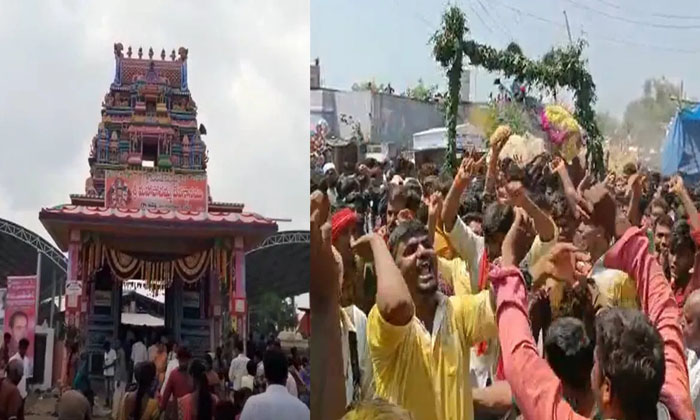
198, 405
161, 362
141, 404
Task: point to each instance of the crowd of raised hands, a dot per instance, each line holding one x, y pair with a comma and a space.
532, 292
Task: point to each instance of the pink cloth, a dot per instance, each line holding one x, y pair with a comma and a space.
179, 384
537, 390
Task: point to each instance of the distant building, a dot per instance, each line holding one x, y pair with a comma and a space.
383, 118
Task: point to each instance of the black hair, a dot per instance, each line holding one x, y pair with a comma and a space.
629, 169
347, 185
204, 401
397, 192
239, 346
664, 220
251, 367
7, 336
144, 373
659, 202
275, 364
569, 352
208, 361
106, 345
577, 302
498, 218
680, 238
24, 343
472, 217
18, 314
404, 231
630, 353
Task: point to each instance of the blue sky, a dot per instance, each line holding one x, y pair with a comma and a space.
629, 41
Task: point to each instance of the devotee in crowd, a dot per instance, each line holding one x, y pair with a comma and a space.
238, 366
21, 356
198, 404
248, 380
153, 349
516, 289
81, 381
276, 402
11, 401
141, 404
139, 352
178, 385
220, 366
108, 370
215, 386
121, 377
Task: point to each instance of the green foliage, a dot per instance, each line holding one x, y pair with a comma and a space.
448, 50
271, 314
421, 92
609, 125
509, 113
646, 118
369, 85
560, 67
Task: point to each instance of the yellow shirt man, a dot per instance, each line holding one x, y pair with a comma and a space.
428, 374
455, 273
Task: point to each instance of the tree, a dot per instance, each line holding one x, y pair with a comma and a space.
646, 118
271, 314
609, 125
421, 92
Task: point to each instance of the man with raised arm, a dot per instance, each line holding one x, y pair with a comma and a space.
638, 360
419, 338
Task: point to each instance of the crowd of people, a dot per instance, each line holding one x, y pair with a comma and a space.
165, 381
514, 289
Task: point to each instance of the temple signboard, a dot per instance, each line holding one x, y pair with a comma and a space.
136, 190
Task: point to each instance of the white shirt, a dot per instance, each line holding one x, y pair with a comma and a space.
291, 383
139, 353
694, 379
110, 358
152, 351
353, 319
274, 404
237, 370
172, 365
292, 386
248, 381
22, 385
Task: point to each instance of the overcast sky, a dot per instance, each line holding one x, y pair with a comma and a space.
629, 40
248, 72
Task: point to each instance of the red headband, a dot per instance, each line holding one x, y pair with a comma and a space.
342, 220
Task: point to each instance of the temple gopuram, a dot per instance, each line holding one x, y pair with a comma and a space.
146, 214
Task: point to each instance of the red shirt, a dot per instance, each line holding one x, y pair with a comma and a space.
537, 389
179, 384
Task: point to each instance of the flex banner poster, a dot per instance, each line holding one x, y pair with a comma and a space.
20, 313
137, 190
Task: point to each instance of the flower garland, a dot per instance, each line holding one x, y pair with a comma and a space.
560, 67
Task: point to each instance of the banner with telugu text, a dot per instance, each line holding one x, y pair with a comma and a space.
156, 190
20, 313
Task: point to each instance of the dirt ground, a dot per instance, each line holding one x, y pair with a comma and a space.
43, 407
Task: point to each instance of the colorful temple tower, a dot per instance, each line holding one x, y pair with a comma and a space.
146, 213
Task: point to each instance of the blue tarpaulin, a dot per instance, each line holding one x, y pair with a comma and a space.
681, 150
